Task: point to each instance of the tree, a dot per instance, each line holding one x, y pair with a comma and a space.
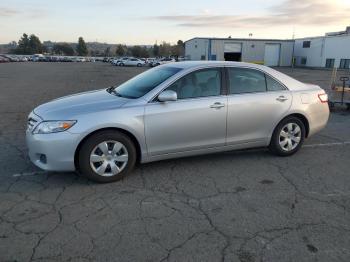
180, 48
97, 53
121, 50
107, 52
81, 47
29, 45
35, 45
63, 49
139, 51
23, 45
156, 50
165, 49
13, 44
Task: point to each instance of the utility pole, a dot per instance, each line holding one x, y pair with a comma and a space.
293, 58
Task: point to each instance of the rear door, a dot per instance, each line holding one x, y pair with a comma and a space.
196, 120
256, 102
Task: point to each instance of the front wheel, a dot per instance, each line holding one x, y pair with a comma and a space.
287, 137
107, 156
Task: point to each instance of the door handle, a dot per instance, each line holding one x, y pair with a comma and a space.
217, 105
281, 98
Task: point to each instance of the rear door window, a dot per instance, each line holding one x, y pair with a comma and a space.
245, 80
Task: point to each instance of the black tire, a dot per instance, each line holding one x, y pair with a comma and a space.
121, 64
88, 146
275, 147
139, 65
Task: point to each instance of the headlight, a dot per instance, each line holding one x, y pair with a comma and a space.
47, 127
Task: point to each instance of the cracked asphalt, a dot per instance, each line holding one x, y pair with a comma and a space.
238, 206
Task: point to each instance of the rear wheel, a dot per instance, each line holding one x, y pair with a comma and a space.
287, 137
121, 64
139, 65
107, 156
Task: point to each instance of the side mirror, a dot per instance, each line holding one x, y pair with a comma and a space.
167, 95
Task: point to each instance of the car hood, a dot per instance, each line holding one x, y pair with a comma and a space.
69, 107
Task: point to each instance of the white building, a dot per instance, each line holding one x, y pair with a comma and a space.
331, 50
271, 52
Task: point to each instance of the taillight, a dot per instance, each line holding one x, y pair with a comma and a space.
323, 98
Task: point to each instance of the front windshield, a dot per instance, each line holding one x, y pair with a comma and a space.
145, 82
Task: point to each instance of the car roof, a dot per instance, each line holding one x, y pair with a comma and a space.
194, 64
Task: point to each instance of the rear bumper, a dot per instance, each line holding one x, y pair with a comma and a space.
318, 119
52, 152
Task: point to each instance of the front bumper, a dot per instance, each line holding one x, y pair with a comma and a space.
53, 152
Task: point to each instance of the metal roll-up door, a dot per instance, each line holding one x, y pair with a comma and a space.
272, 54
233, 48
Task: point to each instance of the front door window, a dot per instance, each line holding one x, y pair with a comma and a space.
201, 83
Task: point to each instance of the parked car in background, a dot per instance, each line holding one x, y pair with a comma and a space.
38, 58
49, 58
180, 109
162, 61
120, 60
132, 62
13, 58
150, 60
115, 61
4, 59
79, 59
66, 59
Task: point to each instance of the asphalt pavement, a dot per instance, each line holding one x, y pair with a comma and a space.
237, 206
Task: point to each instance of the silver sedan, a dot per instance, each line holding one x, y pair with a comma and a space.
175, 110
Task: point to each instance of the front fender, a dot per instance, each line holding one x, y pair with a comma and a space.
129, 119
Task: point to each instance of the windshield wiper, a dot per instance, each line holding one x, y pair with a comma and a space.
112, 90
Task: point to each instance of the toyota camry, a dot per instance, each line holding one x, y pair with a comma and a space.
175, 110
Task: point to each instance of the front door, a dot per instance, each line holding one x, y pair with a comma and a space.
196, 120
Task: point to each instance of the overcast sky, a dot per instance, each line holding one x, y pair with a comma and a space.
148, 21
